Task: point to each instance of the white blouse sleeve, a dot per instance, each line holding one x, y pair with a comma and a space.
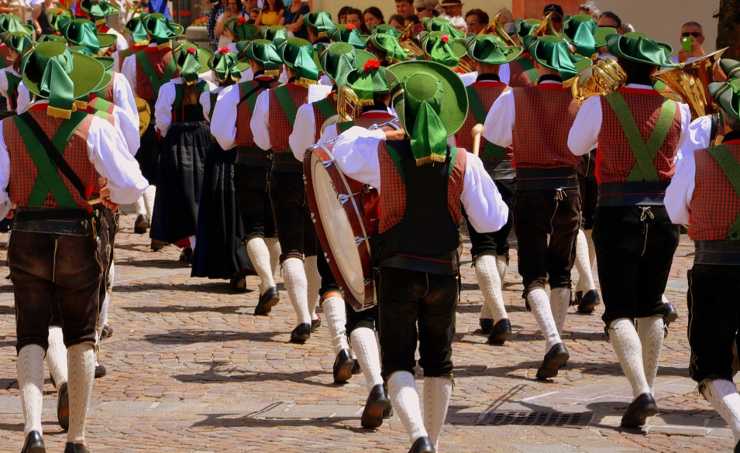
356, 154
223, 120
260, 121
303, 133
681, 189
163, 107
499, 123
480, 197
584, 133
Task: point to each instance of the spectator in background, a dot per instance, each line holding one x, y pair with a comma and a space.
692, 38
234, 8
426, 8
217, 9
342, 14
396, 21
371, 18
405, 8
590, 9
294, 18
272, 13
610, 19
556, 18
477, 20
354, 17
453, 10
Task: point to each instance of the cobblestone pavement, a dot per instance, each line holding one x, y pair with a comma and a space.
191, 370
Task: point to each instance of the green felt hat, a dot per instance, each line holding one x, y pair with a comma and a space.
525, 27
388, 29
320, 22
12, 23
349, 33
98, 8
82, 33
225, 66
370, 79
602, 34
136, 29
58, 18
159, 29
443, 48
727, 95
191, 61
340, 58
264, 53
581, 31
242, 29
388, 46
442, 25
638, 48
730, 67
52, 38
490, 49
554, 54
432, 103
54, 72
19, 42
274, 33
298, 56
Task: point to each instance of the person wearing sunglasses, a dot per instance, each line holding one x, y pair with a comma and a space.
692, 38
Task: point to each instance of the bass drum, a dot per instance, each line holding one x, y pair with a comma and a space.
344, 213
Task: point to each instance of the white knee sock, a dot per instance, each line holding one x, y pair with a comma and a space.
259, 255
141, 207
626, 344
591, 250
437, 394
559, 303
335, 313
583, 263
81, 377
314, 284
485, 312
725, 400
502, 262
56, 356
539, 303
30, 368
405, 400
103, 315
294, 275
149, 195
274, 246
490, 285
365, 345
651, 330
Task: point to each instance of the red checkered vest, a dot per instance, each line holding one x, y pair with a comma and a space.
714, 205
614, 158
23, 171
543, 120
522, 72
322, 111
159, 57
280, 127
248, 92
488, 91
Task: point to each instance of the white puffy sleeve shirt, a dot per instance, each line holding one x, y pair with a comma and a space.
223, 120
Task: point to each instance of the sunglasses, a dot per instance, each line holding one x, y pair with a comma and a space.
695, 34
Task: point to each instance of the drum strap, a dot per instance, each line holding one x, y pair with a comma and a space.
489, 150
731, 168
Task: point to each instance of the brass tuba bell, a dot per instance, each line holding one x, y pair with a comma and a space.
601, 78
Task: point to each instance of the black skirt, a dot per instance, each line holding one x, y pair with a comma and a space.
180, 180
219, 247
148, 154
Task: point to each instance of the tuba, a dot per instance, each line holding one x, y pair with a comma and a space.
407, 43
601, 78
689, 83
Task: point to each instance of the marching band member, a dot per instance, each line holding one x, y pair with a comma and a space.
638, 133
98, 11
16, 44
535, 120
705, 195
422, 183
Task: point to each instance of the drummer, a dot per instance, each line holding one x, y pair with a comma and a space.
416, 250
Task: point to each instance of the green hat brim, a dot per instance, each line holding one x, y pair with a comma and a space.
507, 54
105, 81
536, 51
110, 11
730, 67
723, 93
86, 74
602, 34
616, 46
454, 98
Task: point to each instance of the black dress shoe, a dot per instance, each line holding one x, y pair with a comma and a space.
375, 408
555, 359
75, 448
34, 443
422, 445
140, 224
63, 407
238, 284
269, 299
106, 332
640, 409
186, 256
670, 314
300, 334
486, 325
157, 245
343, 365
100, 371
500, 333
588, 302
356, 368
315, 324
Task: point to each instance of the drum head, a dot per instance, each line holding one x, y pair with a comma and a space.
339, 234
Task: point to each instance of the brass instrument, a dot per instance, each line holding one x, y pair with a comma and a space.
145, 114
689, 83
546, 27
407, 43
603, 77
466, 64
497, 28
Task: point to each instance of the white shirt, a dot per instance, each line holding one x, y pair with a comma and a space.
356, 154
163, 106
504, 75
106, 152
24, 99
303, 133
223, 121
121, 44
205, 100
584, 133
330, 132
260, 122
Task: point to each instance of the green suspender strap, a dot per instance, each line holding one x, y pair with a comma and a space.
489, 151
644, 153
326, 108
286, 104
731, 168
213, 97
48, 179
248, 92
142, 59
343, 126
13, 82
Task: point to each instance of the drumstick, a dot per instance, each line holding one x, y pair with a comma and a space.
476, 131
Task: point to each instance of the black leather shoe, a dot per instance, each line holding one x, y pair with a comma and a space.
670, 314
186, 256
106, 332
100, 371
555, 359
375, 408
300, 334
422, 445
269, 299
63, 407
315, 324
356, 368
588, 302
486, 325
343, 365
157, 245
34, 443
640, 409
238, 284
500, 333
75, 448
140, 224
